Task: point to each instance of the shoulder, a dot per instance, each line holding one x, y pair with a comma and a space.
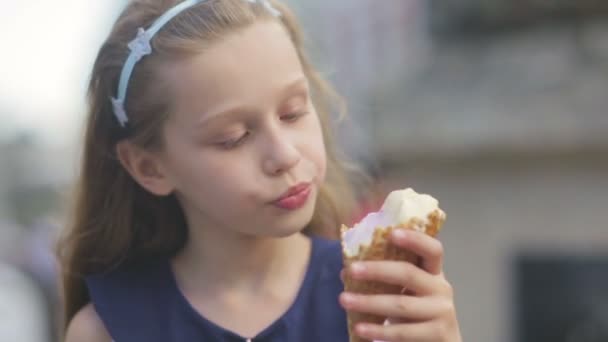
87, 326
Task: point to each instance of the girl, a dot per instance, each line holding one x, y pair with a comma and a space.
209, 186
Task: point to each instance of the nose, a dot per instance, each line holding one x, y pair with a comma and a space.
281, 153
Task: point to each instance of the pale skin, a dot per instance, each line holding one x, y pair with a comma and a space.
425, 312
249, 124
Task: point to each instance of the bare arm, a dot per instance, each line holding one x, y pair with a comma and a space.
87, 326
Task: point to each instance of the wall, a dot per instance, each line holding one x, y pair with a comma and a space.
500, 206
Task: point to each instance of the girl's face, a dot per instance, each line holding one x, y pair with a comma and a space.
244, 148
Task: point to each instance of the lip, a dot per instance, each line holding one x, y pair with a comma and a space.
295, 197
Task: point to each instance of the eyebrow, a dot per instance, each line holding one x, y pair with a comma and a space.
225, 114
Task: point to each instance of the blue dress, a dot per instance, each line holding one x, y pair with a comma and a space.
144, 304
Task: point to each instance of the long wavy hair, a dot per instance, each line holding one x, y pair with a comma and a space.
114, 219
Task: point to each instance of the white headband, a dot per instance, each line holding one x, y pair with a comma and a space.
140, 47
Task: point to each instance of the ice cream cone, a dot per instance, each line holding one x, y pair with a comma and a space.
380, 248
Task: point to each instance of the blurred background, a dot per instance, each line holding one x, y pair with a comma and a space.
496, 107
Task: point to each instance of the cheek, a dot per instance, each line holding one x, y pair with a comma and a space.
318, 153
224, 176
219, 190
207, 175
321, 162
210, 183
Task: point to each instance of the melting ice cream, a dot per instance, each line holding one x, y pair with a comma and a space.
399, 207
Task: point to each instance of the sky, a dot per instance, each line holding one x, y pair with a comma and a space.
47, 50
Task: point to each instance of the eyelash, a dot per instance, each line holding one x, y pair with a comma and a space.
293, 117
234, 143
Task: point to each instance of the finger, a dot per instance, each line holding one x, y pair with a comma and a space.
342, 274
427, 247
419, 332
396, 306
399, 273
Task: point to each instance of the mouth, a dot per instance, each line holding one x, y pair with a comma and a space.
295, 197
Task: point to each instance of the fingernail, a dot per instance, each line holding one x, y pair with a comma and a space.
362, 329
357, 268
348, 298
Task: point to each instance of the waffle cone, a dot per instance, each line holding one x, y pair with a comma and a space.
381, 248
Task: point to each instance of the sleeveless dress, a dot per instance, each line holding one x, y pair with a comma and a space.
144, 304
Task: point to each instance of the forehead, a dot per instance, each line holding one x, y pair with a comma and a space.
244, 68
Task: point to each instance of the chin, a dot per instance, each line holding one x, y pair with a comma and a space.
295, 226
294, 222
285, 233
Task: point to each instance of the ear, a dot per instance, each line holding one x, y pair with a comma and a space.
145, 168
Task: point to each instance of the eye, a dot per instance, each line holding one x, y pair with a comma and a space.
234, 143
293, 116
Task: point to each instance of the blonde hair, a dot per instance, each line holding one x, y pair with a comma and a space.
115, 220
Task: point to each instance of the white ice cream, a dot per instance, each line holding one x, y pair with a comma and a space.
399, 207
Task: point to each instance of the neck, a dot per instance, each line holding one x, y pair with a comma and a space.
218, 260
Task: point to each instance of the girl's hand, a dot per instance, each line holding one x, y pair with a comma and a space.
425, 312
